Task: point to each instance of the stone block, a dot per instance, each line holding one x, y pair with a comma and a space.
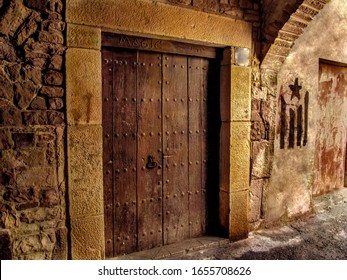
240, 156
51, 37
32, 256
257, 131
38, 103
26, 229
255, 200
49, 197
37, 176
28, 29
35, 118
86, 200
60, 156
165, 20
198, 3
25, 91
52, 91
56, 103
85, 157
83, 86
60, 251
13, 71
53, 78
15, 15
41, 215
240, 93
27, 245
56, 62
22, 194
87, 238
6, 141
262, 156
33, 73
239, 226
27, 205
80, 36
6, 88
56, 118
53, 25
212, 5
9, 114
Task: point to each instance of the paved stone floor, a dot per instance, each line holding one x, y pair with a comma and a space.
322, 236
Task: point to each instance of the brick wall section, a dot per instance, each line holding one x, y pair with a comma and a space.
32, 188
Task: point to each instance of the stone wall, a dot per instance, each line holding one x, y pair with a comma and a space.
32, 130
263, 114
283, 22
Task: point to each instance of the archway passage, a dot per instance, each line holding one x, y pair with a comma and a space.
161, 144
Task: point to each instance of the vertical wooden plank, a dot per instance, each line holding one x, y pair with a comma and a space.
107, 88
331, 128
124, 151
175, 145
195, 96
149, 99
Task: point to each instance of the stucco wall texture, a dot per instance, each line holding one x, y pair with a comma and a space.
289, 193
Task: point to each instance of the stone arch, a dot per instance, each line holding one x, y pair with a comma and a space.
283, 23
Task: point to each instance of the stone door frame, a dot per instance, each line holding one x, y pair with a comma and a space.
86, 20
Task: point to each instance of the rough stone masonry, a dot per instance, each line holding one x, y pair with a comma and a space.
32, 183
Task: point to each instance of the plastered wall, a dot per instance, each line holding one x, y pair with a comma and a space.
289, 193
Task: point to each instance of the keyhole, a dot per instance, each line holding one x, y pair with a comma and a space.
151, 163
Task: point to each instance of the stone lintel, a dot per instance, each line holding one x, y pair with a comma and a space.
81, 36
160, 19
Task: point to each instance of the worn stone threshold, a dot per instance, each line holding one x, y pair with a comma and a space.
176, 250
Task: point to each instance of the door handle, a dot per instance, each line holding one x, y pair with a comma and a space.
151, 163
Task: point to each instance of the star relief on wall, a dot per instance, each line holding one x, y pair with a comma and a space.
295, 89
293, 116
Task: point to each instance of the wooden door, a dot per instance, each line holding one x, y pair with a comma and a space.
330, 149
157, 147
